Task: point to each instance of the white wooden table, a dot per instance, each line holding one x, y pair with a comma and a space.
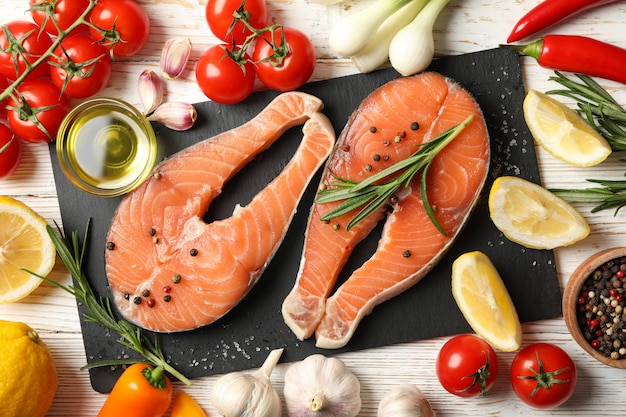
464, 26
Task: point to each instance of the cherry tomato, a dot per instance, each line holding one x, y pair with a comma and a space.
38, 110
24, 44
132, 26
4, 83
10, 152
66, 12
467, 366
221, 78
220, 14
81, 67
286, 66
543, 375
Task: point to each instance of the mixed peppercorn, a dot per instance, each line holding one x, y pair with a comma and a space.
145, 293
602, 308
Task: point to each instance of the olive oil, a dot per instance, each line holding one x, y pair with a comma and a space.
107, 147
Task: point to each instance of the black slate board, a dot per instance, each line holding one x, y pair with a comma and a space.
243, 338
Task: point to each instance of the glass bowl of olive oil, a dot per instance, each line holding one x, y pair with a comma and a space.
106, 147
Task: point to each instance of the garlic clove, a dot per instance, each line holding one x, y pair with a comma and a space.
174, 57
175, 115
321, 386
150, 89
405, 400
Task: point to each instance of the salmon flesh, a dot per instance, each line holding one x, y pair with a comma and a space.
167, 268
385, 129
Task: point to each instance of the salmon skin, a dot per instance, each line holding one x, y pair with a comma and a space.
385, 129
168, 269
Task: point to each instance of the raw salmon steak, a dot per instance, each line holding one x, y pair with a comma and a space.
167, 268
387, 127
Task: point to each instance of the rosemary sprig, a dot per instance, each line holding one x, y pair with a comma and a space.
371, 196
600, 109
610, 194
72, 254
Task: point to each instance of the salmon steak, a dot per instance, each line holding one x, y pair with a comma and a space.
168, 269
388, 126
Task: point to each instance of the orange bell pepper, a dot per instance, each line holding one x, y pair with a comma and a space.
141, 391
186, 406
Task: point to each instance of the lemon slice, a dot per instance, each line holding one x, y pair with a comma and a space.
562, 132
485, 302
528, 214
24, 244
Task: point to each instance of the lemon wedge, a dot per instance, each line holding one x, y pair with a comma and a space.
562, 132
485, 302
528, 214
24, 244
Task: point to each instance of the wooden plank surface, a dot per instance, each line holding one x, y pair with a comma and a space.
464, 26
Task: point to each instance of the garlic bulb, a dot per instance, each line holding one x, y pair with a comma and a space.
405, 400
321, 387
240, 394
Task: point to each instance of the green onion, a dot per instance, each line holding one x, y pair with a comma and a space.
376, 53
353, 32
371, 196
412, 49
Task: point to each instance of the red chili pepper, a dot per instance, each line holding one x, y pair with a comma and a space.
141, 391
548, 13
578, 54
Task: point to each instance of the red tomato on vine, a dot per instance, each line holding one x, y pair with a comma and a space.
285, 59
124, 26
81, 67
37, 110
10, 152
4, 83
220, 15
22, 42
66, 12
225, 76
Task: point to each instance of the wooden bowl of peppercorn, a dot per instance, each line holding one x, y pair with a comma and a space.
594, 306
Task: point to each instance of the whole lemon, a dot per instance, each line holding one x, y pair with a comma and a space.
28, 377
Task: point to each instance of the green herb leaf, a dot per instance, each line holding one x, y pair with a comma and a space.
611, 194
371, 195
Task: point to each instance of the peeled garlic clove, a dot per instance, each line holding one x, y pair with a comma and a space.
240, 394
175, 115
174, 57
405, 400
321, 386
150, 90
